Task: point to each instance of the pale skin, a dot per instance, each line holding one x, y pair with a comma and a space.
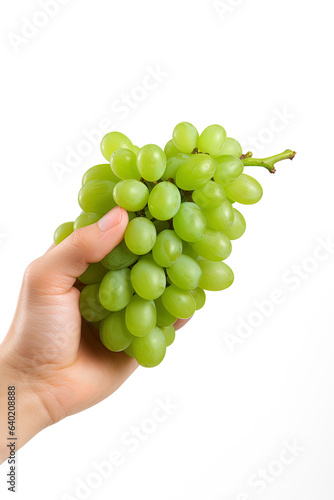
55, 359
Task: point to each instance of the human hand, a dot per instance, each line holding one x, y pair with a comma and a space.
53, 356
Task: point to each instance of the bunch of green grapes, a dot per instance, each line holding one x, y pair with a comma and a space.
182, 219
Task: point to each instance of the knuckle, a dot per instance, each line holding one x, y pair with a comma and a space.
31, 274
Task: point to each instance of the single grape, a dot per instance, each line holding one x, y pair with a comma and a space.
119, 258
212, 140
131, 195
90, 306
214, 245
149, 351
93, 274
140, 235
167, 248
185, 273
136, 150
164, 201
171, 150
140, 316
185, 137
215, 275
97, 197
86, 219
189, 223
123, 163
62, 232
220, 218
151, 162
169, 334
116, 290
188, 250
209, 196
113, 141
114, 334
231, 147
148, 279
178, 302
238, 227
101, 172
164, 318
173, 165
229, 168
194, 172
199, 296
245, 190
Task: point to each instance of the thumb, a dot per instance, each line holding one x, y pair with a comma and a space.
57, 270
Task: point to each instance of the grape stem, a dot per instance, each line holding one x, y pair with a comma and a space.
268, 163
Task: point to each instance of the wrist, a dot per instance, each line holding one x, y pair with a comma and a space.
23, 413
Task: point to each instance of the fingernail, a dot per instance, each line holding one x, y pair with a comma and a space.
111, 219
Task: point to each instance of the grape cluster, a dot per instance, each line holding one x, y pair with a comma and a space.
182, 219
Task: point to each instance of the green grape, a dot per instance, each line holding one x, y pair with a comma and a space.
167, 248
116, 290
199, 296
194, 172
131, 195
173, 165
140, 235
215, 275
100, 173
148, 279
185, 137
209, 196
220, 218
119, 258
212, 140
136, 150
113, 141
62, 232
164, 201
169, 334
171, 150
185, 273
161, 225
151, 162
93, 274
129, 351
140, 316
229, 168
164, 318
114, 334
188, 250
178, 302
149, 351
238, 227
97, 197
245, 190
123, 163
214, 246
85, 219
189, 223
231, 147
90, 306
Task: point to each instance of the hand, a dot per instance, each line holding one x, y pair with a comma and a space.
53, 357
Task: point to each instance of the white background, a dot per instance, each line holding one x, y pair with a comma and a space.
240, 65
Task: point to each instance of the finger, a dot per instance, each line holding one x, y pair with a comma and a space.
57, 270
180, 323
50, 248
